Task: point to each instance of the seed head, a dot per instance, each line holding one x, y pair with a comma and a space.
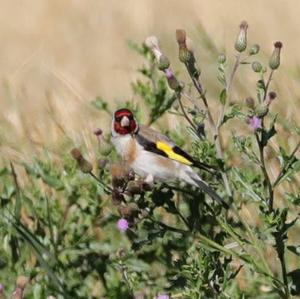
241, 41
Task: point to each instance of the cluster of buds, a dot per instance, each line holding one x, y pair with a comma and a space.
163, 62
84, 165
258, 112
124, 184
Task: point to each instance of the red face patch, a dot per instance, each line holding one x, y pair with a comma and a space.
123, 130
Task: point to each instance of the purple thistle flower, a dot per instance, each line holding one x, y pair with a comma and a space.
1, 288
122, 224
163, 296
169, 73
255, 123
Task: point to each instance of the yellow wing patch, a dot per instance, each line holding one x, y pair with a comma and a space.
166, 148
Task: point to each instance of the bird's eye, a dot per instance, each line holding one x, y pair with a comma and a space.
118, 118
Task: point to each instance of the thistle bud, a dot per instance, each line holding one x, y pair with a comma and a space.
271, 97
84, 165
274, 61
163, 62
221, 58
134, 187
76, 154
250, 103
101, 163
256, 66
22, 281
241, 41
128, 211
262, 110
172, 81
119, 175
254, 49
117, 197
98, 132
185, 54
105, 149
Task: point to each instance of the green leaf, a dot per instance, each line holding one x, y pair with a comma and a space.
268, 134
223, 97
100, 104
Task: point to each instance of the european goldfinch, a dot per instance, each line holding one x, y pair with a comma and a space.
153, 156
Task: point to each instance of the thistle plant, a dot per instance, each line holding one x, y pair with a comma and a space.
94, 229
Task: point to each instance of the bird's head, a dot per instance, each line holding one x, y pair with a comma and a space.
124, 122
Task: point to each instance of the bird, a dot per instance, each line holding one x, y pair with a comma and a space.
154, 156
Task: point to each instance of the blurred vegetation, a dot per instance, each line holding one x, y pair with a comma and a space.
59, 215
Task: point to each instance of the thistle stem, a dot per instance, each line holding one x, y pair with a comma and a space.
214, 128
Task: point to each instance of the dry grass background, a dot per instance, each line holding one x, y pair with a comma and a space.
57, 56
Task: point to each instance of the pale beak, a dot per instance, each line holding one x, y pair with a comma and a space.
125, 121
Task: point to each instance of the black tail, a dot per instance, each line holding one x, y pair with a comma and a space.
203, 186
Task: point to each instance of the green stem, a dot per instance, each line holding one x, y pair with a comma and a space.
214, 128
